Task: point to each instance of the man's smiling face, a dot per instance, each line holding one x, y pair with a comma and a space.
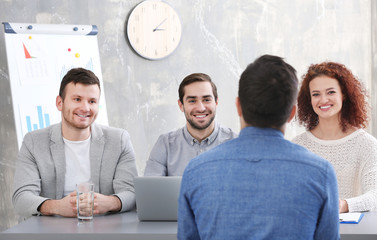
80, 105
199, 105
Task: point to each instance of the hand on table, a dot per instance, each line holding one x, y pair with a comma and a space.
65, 207
343, 206
104, 204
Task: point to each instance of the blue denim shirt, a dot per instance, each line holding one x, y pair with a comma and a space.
258, 186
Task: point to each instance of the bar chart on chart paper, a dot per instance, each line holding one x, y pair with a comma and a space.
37, 117
43, 120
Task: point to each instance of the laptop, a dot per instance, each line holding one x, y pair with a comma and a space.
157, 197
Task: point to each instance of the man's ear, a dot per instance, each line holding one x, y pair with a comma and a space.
293, 113
59, 103
180, 105
238, 106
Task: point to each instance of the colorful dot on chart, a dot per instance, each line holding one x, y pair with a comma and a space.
77, 55
69, 49
30, 37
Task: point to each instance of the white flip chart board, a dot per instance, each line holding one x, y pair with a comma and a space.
39, 55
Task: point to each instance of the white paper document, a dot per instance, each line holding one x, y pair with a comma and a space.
350, 217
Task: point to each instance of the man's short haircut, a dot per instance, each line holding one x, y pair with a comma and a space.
267, 92
78, 75
195, 77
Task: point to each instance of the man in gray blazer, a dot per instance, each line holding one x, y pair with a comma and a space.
53, 160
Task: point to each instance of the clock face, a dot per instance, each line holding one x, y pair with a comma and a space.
154, 29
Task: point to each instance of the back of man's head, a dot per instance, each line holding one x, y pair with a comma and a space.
267, 92
78, 75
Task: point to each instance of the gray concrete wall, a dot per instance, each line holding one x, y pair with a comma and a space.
220, 37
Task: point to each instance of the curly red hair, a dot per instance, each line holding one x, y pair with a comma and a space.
354, 109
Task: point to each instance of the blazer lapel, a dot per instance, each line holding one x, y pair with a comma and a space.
58, 155
97, 146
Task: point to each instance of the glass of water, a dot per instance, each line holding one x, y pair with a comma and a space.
85, 201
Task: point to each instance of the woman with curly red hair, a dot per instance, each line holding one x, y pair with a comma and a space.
333, 108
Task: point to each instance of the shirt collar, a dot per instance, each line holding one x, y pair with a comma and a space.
191, 140
260, 131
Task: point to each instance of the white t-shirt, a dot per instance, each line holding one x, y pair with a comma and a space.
77, 163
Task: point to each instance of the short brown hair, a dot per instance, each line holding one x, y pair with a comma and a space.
78, 75
354, 108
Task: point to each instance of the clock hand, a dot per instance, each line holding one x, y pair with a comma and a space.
157, 28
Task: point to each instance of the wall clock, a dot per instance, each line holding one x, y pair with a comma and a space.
154, 29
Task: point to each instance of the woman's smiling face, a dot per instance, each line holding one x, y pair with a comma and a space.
326, 97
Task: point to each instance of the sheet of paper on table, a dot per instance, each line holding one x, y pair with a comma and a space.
350, 217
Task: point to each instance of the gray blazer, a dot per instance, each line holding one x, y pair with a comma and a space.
40, 168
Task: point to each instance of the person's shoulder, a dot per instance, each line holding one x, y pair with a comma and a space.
110, 133
300, 138
106, 128
203, 158
367, 137
300, 150
213, 156
45, 130
226, 131
42, 137
304, 156
366, 145
172, 135
43, 133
